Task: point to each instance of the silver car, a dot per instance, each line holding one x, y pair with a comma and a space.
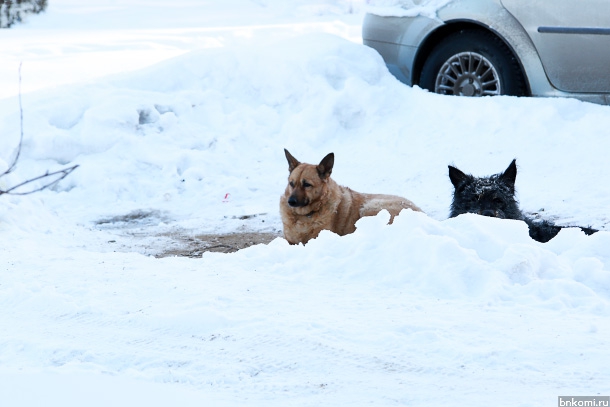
500, 47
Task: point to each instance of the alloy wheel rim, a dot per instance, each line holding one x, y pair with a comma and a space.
468, 74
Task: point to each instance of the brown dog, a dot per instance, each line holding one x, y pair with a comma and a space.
313, 201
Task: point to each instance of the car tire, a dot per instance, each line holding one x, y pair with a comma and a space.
472, 63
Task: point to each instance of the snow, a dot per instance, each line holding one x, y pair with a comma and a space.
406, 8
177, 118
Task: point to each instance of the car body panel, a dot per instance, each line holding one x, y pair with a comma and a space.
400, 41
573, 39
397, 40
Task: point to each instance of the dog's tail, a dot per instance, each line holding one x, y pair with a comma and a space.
543, 231
588, 230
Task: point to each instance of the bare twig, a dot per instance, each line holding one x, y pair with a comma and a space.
55, 176
61, 174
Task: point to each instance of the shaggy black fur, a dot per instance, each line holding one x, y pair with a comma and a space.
495, 196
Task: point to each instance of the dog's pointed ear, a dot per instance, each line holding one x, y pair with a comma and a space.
325, 168
509, 176
292, 162
456, 176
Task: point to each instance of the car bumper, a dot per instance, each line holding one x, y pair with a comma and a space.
397, 40
398, 58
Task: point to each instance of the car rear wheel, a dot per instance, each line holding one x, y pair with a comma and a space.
472, 63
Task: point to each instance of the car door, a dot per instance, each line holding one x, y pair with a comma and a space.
572, 38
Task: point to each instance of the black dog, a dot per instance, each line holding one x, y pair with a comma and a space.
495, 196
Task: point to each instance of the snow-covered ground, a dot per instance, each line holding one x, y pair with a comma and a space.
178, 117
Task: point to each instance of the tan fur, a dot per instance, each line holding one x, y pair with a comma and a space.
319, 203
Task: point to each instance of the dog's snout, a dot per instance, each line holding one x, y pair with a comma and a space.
489, 212
295, 202
292, 201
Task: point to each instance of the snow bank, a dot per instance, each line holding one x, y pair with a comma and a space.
376, 316
405, 8
212, 124
470, 257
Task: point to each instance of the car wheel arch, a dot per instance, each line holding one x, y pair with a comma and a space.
445, 30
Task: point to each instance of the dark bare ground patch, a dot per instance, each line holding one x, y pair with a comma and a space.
195, 246
137, 231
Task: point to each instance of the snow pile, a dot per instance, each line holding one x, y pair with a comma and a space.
419, 312
207, 130
405, 8
374, 317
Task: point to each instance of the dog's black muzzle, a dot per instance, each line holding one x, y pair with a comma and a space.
295, 203
492, 213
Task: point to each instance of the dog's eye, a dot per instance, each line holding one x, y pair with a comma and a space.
306, 184
291, 184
